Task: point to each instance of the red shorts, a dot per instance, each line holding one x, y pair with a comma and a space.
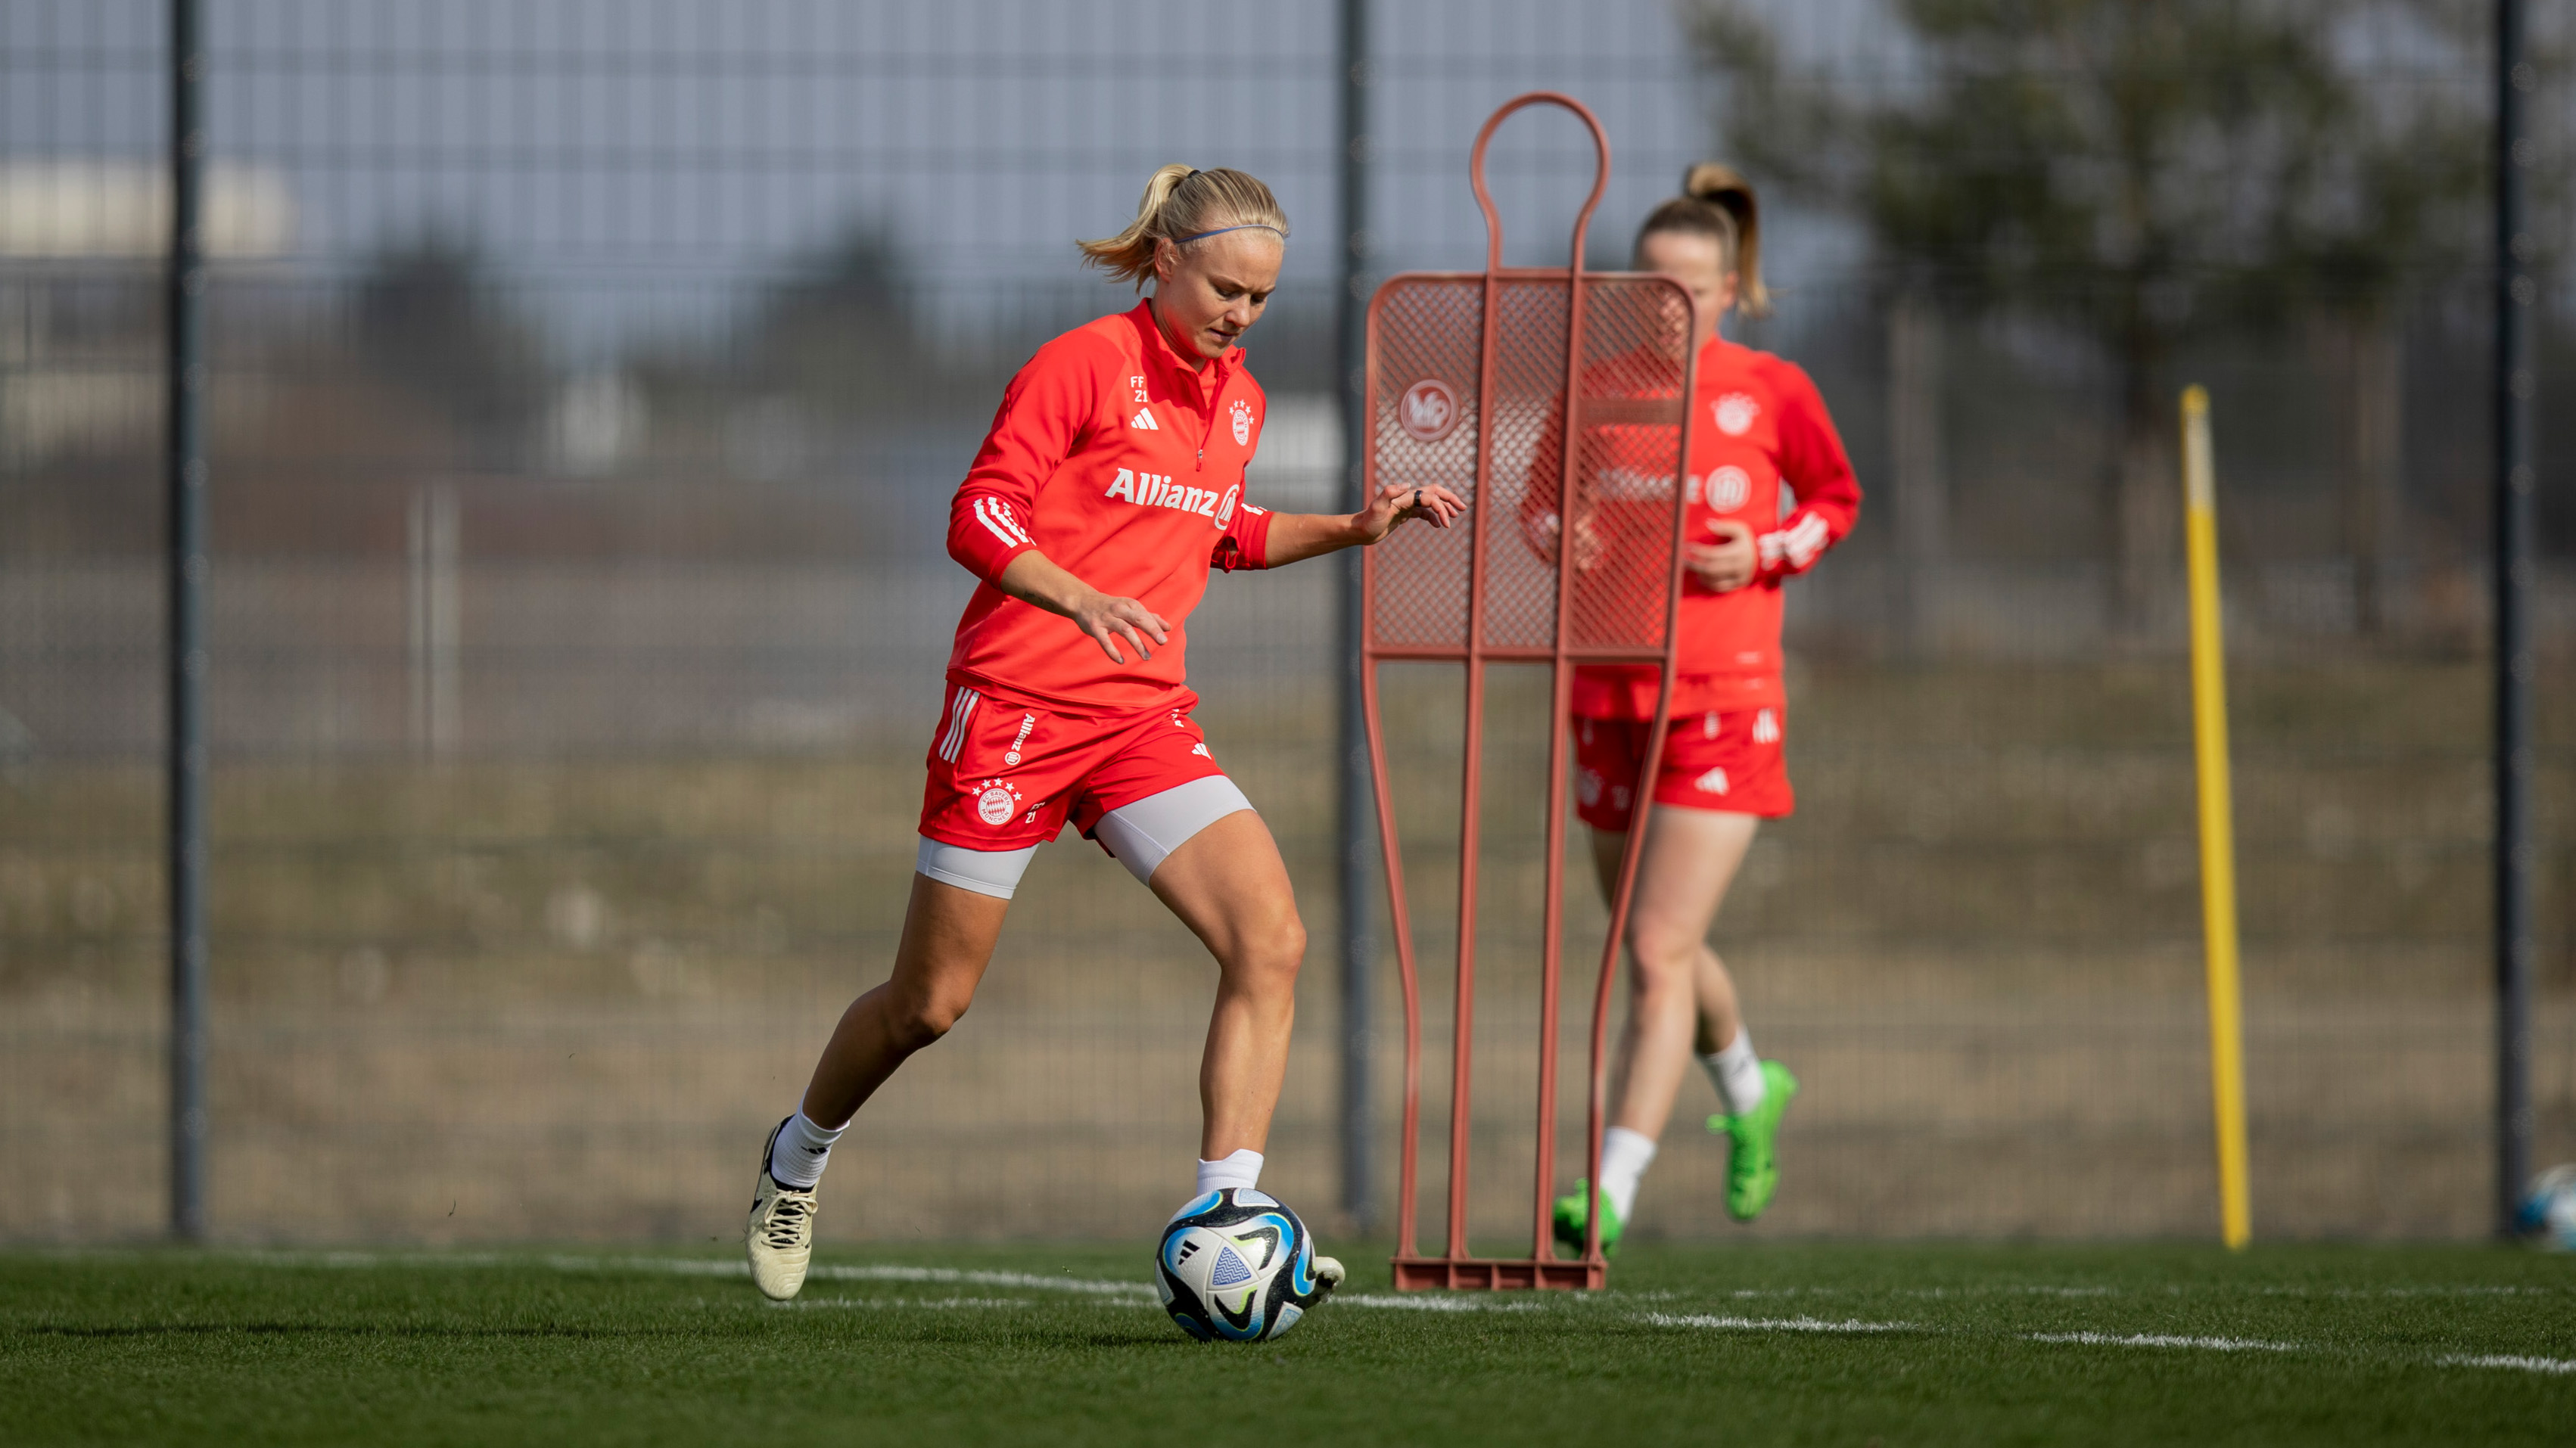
1005, 775
1727, 761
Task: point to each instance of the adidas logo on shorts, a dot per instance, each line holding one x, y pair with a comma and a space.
1713, 782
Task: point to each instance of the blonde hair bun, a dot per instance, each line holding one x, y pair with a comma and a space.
1717, 201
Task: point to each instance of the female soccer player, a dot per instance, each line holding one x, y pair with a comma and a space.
1110, 483
1759, 427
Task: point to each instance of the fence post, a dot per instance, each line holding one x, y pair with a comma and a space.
1358, 881
1920, 466
186, 484
2516, 291
435, 607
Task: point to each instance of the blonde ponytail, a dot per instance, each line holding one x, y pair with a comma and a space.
1719, 203
1182, 205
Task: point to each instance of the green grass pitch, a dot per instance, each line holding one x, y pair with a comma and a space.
1697, 1344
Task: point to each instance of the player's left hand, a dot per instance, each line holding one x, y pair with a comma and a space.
1396, 502
1727, 564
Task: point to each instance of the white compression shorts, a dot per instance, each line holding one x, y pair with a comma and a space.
986, 872
1141, 835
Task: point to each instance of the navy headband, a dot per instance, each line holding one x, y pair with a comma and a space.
1222, 230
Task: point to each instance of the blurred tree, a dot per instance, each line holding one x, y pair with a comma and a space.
429, 318
2142, 171
839, 335
825, 357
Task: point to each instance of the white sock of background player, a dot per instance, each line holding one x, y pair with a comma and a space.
1737, 1074
802, 1150
1625, 1155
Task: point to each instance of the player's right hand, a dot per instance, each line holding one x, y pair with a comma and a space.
1109, 620
1396, 502
1727, 564
1588, 545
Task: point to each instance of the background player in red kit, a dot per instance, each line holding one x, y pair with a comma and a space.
1110, 484
1759, 428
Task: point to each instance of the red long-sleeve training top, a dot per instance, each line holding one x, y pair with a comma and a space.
1760, 426
1124, 466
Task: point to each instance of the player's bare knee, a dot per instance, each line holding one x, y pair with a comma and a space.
1267, 960
1662, 954
1268, 971
920, 1020
1288, 943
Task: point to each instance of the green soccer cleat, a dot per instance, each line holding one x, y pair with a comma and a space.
1752, 1170
1569, 1221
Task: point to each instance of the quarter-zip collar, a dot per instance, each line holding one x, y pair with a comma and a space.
1208, 385
1719, 347
1198, 391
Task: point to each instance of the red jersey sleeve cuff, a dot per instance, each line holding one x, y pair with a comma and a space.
1795, 547
1246, 543
985, 532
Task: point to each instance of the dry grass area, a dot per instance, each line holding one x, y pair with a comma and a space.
513, 1000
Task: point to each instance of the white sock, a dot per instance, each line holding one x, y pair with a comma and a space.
1625, 1155
797, 1160
1236, 1169
1737, 1074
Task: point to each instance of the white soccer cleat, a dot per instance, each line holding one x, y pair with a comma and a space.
1328, 1271
780, 1234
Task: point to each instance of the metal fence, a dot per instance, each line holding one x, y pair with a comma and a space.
587, 386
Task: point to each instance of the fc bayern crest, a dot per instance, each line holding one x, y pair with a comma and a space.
1735, 413
1428, 411
997, 803
1242, 423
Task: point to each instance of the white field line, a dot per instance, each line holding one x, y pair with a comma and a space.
2562, 1366
735, 1267
2521, 1364
705, 1267
1856, 1325
2159, 1339
1091, 1285
2008, 1289
807, 1304
1409, 1302
1994, 1290
2462, 1289
1139, 1293
1772, 1324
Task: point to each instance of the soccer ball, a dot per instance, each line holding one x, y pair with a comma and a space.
2548, 1214
1236, 1265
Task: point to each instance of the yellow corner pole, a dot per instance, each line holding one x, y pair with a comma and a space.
2217, 818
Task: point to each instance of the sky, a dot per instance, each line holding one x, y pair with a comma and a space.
642, 166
